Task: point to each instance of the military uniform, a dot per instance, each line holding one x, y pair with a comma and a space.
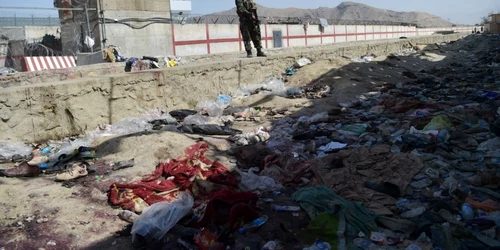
249, 26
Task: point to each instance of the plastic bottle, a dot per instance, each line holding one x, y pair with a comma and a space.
395, 149
48, 165
413, 247
254, 224
285, 208
271, 245
467, 212
487, 205
443, 136
319, 245
365, 244
128, 216
413, 213
186, 244
402, 204
45, 150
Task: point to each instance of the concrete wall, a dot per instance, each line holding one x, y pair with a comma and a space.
199, 39
47, 76
154, 39
430, 31
55, 110
29, 33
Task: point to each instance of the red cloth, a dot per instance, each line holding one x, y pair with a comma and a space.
171, 177
226, 206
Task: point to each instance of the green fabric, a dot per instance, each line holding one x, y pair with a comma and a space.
317, 200
355, 129
324, 227
438, 123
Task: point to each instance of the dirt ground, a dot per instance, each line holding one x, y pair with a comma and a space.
39, 213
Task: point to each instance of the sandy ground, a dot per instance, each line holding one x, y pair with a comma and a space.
38, 212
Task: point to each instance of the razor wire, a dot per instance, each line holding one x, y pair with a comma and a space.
234, 19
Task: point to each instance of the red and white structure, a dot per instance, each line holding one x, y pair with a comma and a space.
200, 39
38, 63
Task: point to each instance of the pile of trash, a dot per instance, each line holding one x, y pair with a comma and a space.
135, 64
7, 71
409, 165
68, 160
412, 165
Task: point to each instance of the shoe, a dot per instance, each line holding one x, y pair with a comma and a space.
76, 171
38, 160
123, 164
249, 54
3, 159
17, 158
23, 170
260, 53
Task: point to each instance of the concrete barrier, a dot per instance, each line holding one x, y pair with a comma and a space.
200, 39
39, 112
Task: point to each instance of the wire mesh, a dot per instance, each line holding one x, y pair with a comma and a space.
28, 19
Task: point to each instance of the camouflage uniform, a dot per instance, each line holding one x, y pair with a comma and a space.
249, 26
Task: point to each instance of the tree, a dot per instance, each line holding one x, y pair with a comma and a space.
485, 19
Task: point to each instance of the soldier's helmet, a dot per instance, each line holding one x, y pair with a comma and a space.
252, 5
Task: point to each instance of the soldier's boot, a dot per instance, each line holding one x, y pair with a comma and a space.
249, 54
260, 53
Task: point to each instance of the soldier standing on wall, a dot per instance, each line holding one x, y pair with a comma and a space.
249, 26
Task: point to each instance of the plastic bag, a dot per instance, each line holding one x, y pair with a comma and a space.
438, 123
354, 129
200, 120
276, 86
364, 59
225, 99
302, 62
212, 108
332, 146
180, 114
294, 91
249, 89
251, 182
489, 145
125, 126
67, 147
9, 149
259, 135
164, 119
320, 117
208, 129
159, 218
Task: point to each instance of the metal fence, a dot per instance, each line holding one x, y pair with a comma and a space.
27, 19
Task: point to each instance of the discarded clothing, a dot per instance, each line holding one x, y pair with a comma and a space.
325, 226
376, 164
317, 200
250, 156
226, 206
208, 129
169, 178
182, 113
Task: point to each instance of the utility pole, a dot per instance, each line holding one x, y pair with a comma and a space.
89, 32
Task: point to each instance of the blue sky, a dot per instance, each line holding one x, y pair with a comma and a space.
457, 11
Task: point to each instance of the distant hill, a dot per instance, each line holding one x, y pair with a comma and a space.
350, 11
